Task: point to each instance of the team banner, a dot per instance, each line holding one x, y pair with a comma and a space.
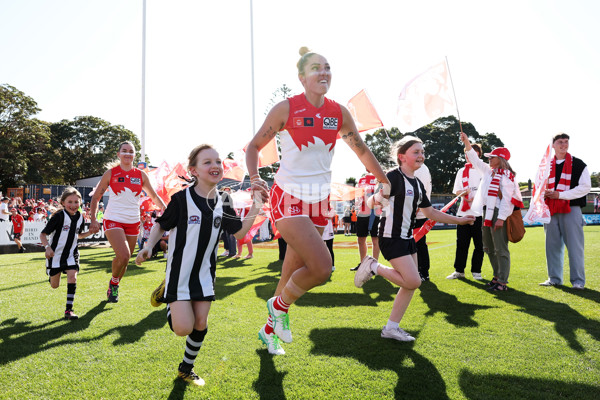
538, 209
32, 231
425, 98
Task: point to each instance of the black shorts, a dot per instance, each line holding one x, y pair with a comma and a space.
362, 226
395, 247
347, 220
56, 271
17, 235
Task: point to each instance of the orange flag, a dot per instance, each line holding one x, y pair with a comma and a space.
363, 112
341, 192
267, 155
232, 170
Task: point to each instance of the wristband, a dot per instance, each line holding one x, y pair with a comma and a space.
46, 246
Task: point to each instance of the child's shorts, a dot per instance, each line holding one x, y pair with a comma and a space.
55, 271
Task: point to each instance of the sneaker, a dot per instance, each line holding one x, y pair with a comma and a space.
364, 273
355, 268
548, 282
477, 276
224, 254
190, 377
332, 268
456, 275
272, 342
157, 296
498, 287
112, 294
397, 334
281, 322
424, 278
69, 314
22, 249
578, 286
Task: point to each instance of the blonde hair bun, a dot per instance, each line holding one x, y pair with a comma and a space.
304, 50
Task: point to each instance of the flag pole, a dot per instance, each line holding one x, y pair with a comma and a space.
454, 94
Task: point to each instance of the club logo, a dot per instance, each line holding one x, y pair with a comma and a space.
409, 192
66, 228
194, 219
121, 180
330, 123
217, 222
135, 181
303, 122
294, 210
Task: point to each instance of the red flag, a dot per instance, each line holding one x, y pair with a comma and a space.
260, 219
267, 155
422, 231
363, 112
232, 170
341, 192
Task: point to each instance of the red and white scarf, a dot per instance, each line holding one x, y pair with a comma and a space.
494, 192
465, 184
558, 206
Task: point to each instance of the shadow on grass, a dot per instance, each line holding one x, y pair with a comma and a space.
132, 333
495, 386
586, 293
566, 319
37, 338
269, 383
417, 379
457, 313
178, 391
225, 287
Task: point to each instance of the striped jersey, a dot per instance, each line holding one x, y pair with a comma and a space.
63, 229
195, 224
406, 196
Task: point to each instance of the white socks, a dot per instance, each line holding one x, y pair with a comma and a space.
374, 266
391, 324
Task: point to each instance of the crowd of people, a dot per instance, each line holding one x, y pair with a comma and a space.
189, 228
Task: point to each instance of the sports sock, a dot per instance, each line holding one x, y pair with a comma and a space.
280, 305
71, 287
391, 324
269, 325
374, 266
115, 281
192, 346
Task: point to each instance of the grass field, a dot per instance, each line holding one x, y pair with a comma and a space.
531, 342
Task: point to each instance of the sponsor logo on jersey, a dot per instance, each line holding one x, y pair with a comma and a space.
294, 210
330, 123
409, 192
299, 111
217, 222
135, 181
121, 180
194, 219
66, 228
304, 122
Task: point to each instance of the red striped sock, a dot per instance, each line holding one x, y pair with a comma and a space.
114, 281
269, 326
280, 305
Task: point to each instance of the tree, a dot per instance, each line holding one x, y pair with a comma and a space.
24, 141
351, 181
595, 178
86, 145
444, 154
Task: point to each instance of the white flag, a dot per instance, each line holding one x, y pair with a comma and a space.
425, 98
538, 209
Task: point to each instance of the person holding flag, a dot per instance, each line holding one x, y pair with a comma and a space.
466, 184
308, 125
367, 219
568, 184
396, 240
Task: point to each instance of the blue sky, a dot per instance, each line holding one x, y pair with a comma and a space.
521, 69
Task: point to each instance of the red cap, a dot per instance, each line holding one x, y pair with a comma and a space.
13, 209
499, 152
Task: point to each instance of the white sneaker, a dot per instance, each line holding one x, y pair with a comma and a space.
224, 254
364, 272
271, 341
477, 276
397, 334
332, 268
578, 286
548, 282
456, 275
281, 322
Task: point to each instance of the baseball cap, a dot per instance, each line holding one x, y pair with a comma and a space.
4, 198
13, 209
499, 152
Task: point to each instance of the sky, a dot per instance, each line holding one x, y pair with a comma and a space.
524, 70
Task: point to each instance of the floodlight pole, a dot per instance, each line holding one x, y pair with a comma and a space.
252, 67
143, 132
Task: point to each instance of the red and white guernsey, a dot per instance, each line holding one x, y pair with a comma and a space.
124, 192
307, 145
368, 183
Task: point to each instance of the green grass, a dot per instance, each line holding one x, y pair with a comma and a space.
532, 342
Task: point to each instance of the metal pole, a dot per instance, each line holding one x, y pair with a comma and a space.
252, 67
144, 85
454, 93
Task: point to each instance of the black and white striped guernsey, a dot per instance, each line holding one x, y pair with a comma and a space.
406, 196
195, 225
63, 229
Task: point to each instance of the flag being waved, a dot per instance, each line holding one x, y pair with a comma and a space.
363, 112
425, 98
538, 209
422, 231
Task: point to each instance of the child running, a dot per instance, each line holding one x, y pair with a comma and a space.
62, 256
396, 240
18, 227
195, 217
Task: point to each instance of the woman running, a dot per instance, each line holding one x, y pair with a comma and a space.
308, 125
121, 221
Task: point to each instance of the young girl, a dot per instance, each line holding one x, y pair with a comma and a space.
121, 222
495, 200
62, 256
396, 241
195, 217
308, 126
18, 227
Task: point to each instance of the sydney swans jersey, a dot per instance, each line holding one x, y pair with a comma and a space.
368, 184
124, 192
307, 148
